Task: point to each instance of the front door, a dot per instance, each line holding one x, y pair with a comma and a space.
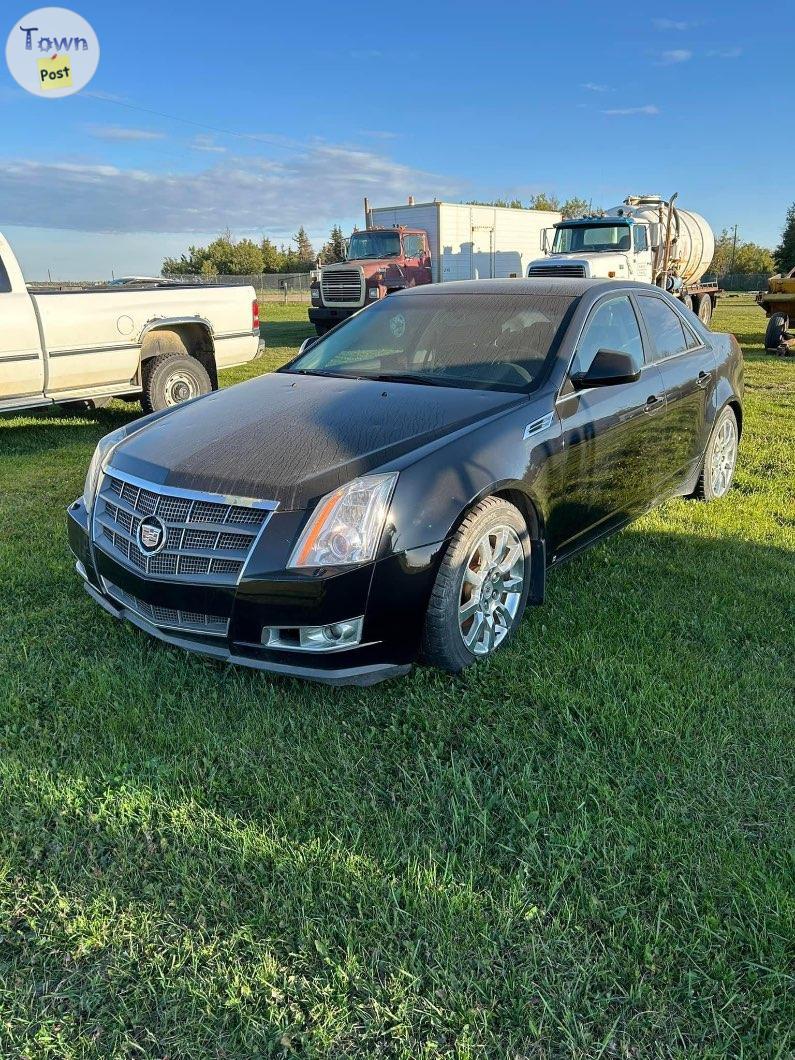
641, 254
416, 267
688, 369
21, 361
609, 466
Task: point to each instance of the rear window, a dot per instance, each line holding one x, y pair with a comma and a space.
479, 341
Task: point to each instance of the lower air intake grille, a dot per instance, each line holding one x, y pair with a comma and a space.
201, 538
169, 617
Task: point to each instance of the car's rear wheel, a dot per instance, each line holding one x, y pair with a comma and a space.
720, 459
481, 588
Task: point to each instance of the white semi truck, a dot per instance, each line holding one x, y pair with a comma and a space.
646, 239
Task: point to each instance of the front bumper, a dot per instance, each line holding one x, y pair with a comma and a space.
329, 316
391, 593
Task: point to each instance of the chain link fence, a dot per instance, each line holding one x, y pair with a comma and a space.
270, 286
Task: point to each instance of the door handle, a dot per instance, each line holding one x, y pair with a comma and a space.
652, 402
703, 379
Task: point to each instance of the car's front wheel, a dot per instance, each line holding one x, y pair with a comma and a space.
481, 587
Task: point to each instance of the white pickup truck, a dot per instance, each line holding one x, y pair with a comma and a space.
164, 344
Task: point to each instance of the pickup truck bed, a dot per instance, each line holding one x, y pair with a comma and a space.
164, 342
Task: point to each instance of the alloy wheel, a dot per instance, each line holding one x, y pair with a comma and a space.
491, 590
724, 457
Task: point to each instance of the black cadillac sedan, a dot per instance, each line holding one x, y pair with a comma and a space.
399, 491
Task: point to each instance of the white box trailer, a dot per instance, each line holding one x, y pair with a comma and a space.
472, 242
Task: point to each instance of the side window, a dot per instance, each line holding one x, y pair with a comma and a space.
612, 326
5, 283
639, 235
665, 328
413, 246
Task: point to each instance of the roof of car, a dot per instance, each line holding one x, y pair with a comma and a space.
566, 287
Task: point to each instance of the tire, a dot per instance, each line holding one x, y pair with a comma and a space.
710, 487
172, 378
704, 308
687, 302
776, 328
494, 610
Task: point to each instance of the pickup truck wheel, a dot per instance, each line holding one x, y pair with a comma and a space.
704, 308
720, 459
171, 379
776, 328
481, 587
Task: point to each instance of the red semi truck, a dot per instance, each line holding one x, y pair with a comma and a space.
404, 246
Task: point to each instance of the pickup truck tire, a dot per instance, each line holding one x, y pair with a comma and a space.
704, 308
171, 378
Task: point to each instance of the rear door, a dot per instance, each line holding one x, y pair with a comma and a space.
609, 467
21, 360
688, 370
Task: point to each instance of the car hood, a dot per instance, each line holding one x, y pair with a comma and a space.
291, 438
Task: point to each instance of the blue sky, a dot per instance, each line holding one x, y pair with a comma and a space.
259, 116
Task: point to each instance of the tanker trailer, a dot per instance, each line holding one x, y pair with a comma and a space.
646, 239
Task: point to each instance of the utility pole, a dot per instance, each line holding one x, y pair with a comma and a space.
734, 251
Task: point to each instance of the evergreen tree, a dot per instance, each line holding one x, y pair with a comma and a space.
334, 249
305, 251
784, 253
272, 257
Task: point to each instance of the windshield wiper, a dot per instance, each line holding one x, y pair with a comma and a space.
407, 377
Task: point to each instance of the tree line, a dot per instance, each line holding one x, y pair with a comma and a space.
227, 256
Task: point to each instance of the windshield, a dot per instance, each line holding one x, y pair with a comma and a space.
479, 341
590, 239
374, 245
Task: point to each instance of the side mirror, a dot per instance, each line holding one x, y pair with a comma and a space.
608, 368
307, 344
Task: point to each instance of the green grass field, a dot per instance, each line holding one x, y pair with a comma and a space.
582, 848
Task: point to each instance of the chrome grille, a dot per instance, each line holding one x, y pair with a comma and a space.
342, 286
207, 539
556, 270
169, 617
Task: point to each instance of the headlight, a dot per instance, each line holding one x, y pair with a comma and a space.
346, 525
373, 292
315, 293
103, 450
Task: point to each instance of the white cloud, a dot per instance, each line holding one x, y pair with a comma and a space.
725, 53
676, 55
671, 23
648, 109
123, 132
206, 143
592, 87
380, 134
314, 188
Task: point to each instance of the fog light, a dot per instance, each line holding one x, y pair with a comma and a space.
373, 292
334, 637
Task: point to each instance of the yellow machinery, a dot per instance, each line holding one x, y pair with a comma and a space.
778, 302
